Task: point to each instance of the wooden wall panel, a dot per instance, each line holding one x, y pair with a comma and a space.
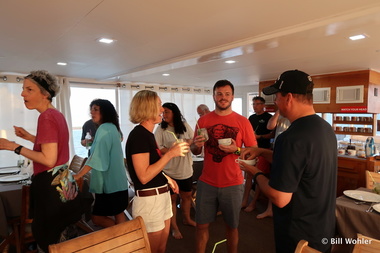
368, 78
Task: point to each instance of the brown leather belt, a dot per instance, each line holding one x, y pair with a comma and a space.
152, 192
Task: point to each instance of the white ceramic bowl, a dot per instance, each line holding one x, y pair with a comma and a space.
249, 162
225, 141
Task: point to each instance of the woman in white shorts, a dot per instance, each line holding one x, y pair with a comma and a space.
145, 164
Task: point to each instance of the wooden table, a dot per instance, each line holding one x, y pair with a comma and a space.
352, 218
10, 204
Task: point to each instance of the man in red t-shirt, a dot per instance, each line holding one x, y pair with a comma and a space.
220, 187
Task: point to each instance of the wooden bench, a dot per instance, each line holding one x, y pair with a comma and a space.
130, 236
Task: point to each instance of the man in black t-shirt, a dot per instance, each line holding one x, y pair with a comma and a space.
259, 122
303, 179
88, 127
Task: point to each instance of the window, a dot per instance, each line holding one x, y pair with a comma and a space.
250, 96
121, 98
237, 105
80, 100
14, 113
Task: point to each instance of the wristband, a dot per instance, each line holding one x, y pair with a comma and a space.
256, 175
237, 152
18, 149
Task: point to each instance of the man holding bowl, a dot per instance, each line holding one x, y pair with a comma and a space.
220, 186
302, 185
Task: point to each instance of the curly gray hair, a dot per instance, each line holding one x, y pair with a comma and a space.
45, 81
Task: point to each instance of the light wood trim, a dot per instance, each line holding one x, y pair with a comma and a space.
130, 236
302, 247
366, 245
369, 175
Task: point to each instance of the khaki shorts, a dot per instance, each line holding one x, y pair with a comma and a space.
154, 210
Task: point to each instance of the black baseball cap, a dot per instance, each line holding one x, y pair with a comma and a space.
292, 81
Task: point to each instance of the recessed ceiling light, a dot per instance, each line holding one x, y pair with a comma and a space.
62, 63
230, 61
166, 74
357, 37
105, 40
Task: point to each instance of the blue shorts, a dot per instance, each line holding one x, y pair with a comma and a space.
211, 199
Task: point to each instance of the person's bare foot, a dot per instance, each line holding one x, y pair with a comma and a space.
249, 208
264, 215
176, 234
189, 223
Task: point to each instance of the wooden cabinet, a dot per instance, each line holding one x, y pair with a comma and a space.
352, 94
332, 86
365, 86
351, 172
355, 125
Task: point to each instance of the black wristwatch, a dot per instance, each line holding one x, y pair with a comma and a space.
237, 152
18, 149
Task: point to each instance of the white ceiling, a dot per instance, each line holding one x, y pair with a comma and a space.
188, 39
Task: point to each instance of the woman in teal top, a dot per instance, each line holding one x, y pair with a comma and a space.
106, 162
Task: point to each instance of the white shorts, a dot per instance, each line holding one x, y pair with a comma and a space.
154, 210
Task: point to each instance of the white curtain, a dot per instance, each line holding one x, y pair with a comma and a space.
14, 113
63, 105
187, 100
124, 97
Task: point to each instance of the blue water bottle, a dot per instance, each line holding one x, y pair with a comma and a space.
369, 147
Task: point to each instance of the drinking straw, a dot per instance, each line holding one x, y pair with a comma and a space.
217, 244
173, 135
196, 121
373, 180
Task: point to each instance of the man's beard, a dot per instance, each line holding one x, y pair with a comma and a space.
222, 108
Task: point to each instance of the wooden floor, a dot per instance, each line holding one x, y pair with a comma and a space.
254, 235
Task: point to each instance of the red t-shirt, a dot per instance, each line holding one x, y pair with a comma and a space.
52, 128
263, 165
220, 168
